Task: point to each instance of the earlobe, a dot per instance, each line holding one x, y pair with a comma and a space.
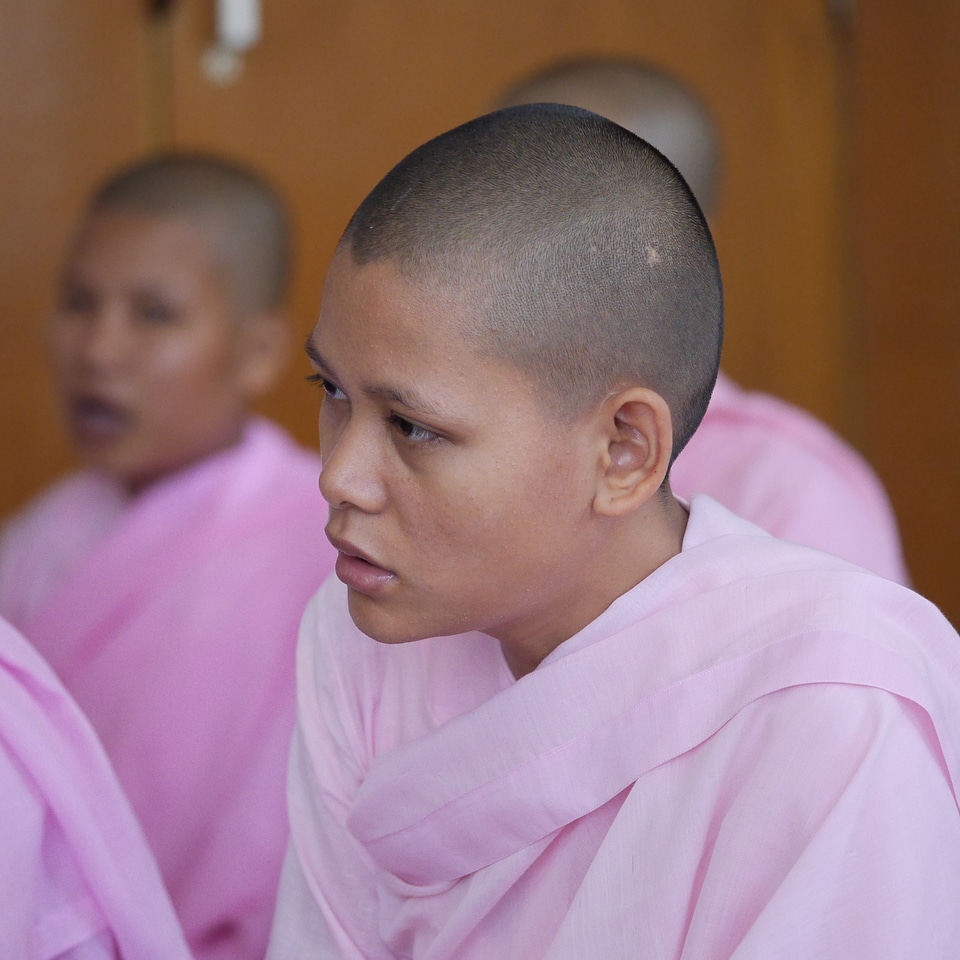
637, 442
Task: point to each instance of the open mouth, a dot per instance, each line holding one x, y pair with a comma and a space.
358, 572
94, 419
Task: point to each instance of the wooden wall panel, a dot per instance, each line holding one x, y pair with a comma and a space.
907, 163
338, 91
70, 108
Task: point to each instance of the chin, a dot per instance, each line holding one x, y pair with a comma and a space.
379, 623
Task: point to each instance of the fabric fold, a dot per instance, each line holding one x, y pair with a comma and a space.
92, 823
172, 621
738, 748
437, 829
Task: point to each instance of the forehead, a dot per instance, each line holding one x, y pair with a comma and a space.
373, 305
382, 334
121, 240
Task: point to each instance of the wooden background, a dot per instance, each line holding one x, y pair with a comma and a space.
838, 228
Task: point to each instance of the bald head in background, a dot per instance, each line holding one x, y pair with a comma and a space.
242, 216
647, 101
766, 460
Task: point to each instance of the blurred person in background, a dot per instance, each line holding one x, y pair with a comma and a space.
765, 459
165, 580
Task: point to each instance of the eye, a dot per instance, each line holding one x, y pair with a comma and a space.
412, 431
74, 299
330, 390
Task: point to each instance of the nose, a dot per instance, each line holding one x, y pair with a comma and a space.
107, 340
352, 474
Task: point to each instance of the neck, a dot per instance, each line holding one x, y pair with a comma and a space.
624, 554
137, 483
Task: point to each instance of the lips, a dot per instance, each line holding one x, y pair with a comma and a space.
95, 419
358, 571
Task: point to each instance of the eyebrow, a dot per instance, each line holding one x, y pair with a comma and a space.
406, 398
313, 353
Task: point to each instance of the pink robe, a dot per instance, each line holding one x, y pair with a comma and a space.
172, 620
77, 880
753, 754
778, 467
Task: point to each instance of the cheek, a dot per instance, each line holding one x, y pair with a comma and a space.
473, 534
530, 515
186, 365
486, 515
63, 342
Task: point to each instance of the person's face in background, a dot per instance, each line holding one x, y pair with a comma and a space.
146, 347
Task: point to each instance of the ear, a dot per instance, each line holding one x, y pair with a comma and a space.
264, 349
637, 440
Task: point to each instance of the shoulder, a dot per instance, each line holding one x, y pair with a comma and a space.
262, 434
784, 645
814, 766
266, 493
729, 554
280, 475
284, 467
770, 596
811, 738
757, 425
823, 789
50, 535
83, 493
786, 471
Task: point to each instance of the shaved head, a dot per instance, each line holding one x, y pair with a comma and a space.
243, 216
648, 101
582, 254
